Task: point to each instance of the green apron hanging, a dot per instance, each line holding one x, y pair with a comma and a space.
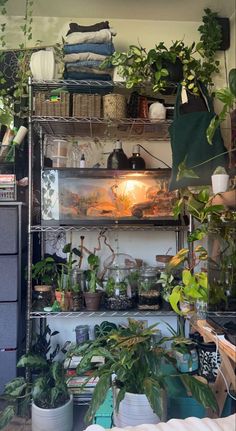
188, 140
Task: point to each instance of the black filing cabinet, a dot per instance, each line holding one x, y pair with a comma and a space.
13, 254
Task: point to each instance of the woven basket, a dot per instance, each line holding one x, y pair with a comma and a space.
87, 105
44, 106
114, 106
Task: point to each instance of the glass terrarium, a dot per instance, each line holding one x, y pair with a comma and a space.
98, 196
149, 295
119, 294
222, 264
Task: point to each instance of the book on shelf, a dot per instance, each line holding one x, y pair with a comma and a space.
74, 361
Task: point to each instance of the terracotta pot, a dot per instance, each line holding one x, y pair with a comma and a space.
68, 301
60, 297
92, 300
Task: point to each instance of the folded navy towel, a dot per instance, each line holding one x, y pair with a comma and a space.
87, 76
74, 27
97, 48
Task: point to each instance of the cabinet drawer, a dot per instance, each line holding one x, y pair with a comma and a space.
8, 325
7, 367
9, 278
8, 229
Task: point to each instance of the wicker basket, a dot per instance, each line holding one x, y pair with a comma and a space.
87, 105
47, 107
114, 106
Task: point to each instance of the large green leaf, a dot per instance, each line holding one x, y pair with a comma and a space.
174, 299
185, 172
99, 395
40, 389
97, 351
34, 362
155, 395
6, 415
187, 277
178, 258
57, 371
200, 391
15, 387
120, 396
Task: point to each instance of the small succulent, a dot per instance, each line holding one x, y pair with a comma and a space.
220, 170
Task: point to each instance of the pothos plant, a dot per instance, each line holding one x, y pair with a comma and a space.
12, 100
194, 283
198, 62
227, 96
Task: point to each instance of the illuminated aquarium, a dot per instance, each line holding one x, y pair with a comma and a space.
102, 196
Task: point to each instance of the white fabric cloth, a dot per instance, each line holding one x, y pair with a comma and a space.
101, 36
189, 424
81, 56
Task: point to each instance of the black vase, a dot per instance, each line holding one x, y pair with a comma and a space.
209, 361
175, 70
175, 75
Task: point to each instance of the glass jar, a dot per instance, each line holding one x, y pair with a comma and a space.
149, 297
82, 333
42, 297
77, 287
119, 295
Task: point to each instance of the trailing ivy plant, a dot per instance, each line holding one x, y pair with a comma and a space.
12, 102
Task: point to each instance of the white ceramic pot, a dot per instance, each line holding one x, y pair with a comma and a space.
59, 419
220, 183
42, 65
134, 409
157, 111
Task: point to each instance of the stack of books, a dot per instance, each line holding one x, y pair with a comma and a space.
81, 386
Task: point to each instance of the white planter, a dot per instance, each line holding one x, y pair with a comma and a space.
59, 419
42, 65
220, 183
134, 409
157, 111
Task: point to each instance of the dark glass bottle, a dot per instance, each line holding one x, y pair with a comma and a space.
117, 159
136, 162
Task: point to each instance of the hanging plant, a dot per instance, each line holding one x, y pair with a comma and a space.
12, 100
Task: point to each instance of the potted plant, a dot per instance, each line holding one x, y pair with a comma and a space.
52, 405
227, 96
161, 67
65, 280
140, 372
185, 351
116, 297
44, 272
92, 296
193, 285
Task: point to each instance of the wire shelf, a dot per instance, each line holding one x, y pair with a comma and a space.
136, 128
100, 313
44, 85
125, 228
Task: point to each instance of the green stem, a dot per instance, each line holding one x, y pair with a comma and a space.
213, 158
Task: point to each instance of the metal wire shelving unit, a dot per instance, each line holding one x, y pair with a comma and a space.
71, 126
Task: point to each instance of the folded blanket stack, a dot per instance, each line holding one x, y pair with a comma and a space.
86, 47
